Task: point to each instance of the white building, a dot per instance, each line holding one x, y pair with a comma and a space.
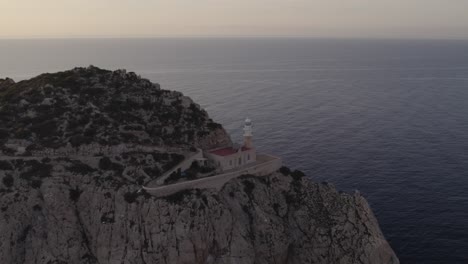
237, 156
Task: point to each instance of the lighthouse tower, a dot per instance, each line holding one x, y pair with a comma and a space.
248, 134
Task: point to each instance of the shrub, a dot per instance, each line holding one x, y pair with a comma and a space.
36, 184
153, 172
79, 140
107, 218
106, 164
80, 168
8, 180
90, 132
37, 169
133, 127
202, 133
128, 137
205, 169
75, 194
177, 157
130, 197
93, 91
4, 134
141, 180
297, 175
194, 165
175, 176
276, 207
190, 174
285, 171
8, 151
44, 129
290, 198
5, 165
178, 196
214, 126
248, 187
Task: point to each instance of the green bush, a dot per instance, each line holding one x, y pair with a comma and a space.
44, 129
214, 126
285, 171
130, 197
297, 175
175, 176
75, 194
5, 165
8, 180
178, 196
4, 134
153, 172
105, 163
79, 140
194, 165
36, 184
190, 174
80, 168
276, 207
205, 169
36, 169
107, 218
248, 187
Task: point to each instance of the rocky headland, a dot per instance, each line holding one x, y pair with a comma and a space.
76, 147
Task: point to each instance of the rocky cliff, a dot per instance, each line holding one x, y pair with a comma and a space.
76, 147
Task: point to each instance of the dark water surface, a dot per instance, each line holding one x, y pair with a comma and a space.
387, 117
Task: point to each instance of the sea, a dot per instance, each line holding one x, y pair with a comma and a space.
386, 117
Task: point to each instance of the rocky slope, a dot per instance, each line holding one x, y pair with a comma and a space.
90, 105
71, 195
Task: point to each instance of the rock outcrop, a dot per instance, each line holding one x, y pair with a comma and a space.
65, 200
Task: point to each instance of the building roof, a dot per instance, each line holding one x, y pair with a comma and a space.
227, 151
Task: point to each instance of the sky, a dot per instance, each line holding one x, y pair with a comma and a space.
299, 18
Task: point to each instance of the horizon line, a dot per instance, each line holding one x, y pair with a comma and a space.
229, 37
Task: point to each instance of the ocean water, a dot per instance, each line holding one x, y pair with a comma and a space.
386, 117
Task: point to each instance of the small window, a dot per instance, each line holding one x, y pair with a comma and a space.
248, 156
240, 161
230, 163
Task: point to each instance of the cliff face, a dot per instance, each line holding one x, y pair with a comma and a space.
65, 200
273, 219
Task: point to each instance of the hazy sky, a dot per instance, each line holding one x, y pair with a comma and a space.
311, 18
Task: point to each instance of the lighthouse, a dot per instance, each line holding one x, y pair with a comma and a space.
248, 134
237, 155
